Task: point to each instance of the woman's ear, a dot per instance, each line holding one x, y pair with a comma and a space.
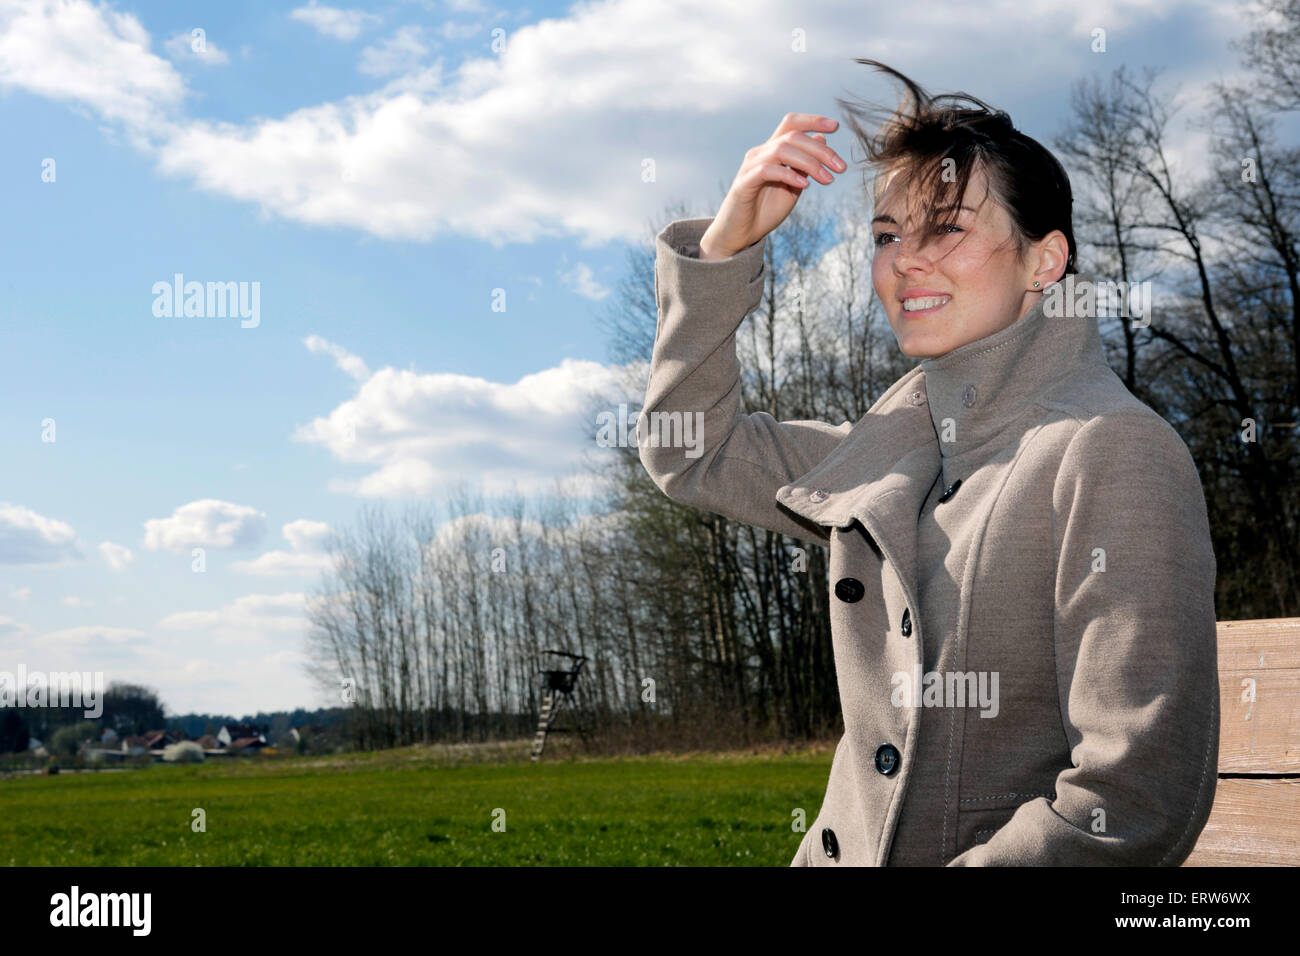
1051, 256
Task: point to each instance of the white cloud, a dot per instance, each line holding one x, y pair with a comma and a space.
424, 432
345, 360
474, 155
244, 656
399, 53
306, 538
583, 281
283, 563
10, 627
304, 535
115, 555
242, 668
458, 31
484, 527
88, 634
182, 47
73, 51
251, 613
29, 538
206, 524
424, 158
73, 601
334, 22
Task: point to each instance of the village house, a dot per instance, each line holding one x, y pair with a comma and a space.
241, 737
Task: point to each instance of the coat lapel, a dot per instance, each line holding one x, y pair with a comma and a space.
880, 474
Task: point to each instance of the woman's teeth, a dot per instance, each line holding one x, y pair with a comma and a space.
929, 302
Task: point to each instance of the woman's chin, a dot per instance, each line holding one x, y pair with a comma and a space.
920, 346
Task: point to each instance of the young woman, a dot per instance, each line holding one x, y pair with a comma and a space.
1021, 574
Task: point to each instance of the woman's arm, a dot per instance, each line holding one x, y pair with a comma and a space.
697, 445
1136, 657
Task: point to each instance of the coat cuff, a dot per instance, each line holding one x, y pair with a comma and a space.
681, 240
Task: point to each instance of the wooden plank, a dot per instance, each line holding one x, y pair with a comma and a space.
1259, 696
1259, 721
1254, 822
1270, 644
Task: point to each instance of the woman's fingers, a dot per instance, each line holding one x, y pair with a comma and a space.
817, 144
799, 122
802, 159
807, 129
775, 172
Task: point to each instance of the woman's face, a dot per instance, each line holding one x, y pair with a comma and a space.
962, 285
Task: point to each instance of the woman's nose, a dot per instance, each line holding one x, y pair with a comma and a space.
910, 254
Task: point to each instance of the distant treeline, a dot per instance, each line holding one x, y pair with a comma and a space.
132, 709
127, 709
274, 724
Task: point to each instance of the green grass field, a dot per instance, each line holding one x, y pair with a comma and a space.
420, 806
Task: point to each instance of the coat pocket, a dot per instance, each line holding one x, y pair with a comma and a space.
981, 817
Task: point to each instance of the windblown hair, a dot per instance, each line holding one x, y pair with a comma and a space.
934, 143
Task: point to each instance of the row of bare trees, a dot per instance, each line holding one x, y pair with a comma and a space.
703, 631
435, 625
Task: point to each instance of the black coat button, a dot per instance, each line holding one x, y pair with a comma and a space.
907, 622
829, 843
952, 490
886, 759
849, 590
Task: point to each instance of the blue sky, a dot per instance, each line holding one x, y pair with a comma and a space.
380, 171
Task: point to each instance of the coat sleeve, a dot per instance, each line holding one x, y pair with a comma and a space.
692, 437
1136, 657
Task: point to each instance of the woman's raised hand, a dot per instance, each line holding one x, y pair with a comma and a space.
770, 182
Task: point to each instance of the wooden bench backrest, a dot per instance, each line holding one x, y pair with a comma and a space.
1255, 820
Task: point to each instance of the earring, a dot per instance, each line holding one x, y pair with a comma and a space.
1035, 285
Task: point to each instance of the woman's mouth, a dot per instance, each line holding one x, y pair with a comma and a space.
921, 305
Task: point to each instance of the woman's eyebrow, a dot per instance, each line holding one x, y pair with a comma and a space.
885, 217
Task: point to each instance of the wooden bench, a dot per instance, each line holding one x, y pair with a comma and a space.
1255, 820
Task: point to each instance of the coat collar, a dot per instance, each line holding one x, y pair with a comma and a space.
939, 417
976, 391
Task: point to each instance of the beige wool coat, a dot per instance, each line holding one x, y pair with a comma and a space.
1021, 583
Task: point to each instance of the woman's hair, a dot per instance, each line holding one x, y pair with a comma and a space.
934, 143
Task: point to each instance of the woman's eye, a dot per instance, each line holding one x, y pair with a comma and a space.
886, 237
